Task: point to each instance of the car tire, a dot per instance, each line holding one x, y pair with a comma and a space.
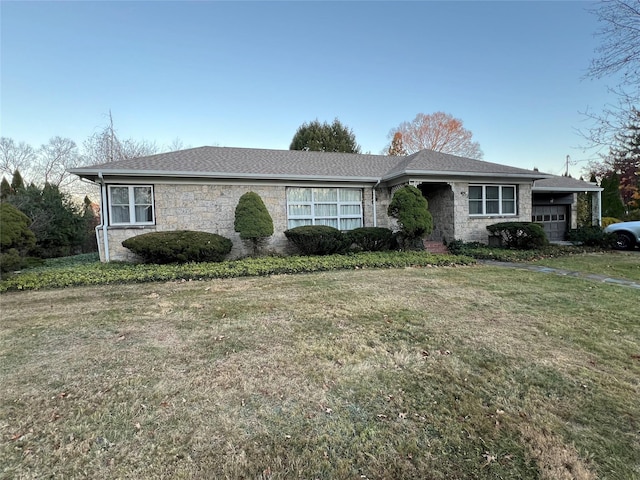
624, 241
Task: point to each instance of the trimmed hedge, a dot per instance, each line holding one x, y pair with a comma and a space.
371, 239
519, 235
317, 239
179, 246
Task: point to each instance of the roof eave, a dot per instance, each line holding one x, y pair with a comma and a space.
219, 175
441, 173
567, 189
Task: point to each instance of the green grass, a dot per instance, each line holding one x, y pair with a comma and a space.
613, 264
429, 373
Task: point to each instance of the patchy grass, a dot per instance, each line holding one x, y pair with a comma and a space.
611, 263
430, 373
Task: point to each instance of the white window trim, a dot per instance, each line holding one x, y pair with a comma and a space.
484, 200
339, 203
132, 206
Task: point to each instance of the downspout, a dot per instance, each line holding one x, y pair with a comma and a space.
104, 218
375, 215
600, 208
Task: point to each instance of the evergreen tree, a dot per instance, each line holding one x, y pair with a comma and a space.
409, 207
323, 137
611, 200
16, 182
55, 220
252, 220
5, 188
15, 237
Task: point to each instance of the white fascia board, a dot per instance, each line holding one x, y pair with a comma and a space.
221, 176
457, 175
567, 189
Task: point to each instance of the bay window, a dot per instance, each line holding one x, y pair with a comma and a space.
131, 205
340, 208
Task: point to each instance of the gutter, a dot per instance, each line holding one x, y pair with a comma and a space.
463, 174
224, 175
104, 218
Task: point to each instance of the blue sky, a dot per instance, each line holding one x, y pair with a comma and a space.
248, 74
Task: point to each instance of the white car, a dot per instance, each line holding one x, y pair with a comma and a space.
628, 234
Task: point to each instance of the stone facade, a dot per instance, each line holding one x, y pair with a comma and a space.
474, 229
211, 208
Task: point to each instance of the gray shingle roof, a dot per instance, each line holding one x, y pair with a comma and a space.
567, 184
226, 162
429, 161
247, 162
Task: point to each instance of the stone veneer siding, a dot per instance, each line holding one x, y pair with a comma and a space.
474, 229
211, 208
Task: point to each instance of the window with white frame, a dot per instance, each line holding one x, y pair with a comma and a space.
337, 207
131, 205
492, 200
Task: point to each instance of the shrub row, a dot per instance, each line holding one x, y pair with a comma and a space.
325, 240
183, 246
120, 273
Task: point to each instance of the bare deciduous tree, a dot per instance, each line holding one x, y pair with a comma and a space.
620, 48
53, 160
106, 147
437, 131
618, 57
175, 145
15, 156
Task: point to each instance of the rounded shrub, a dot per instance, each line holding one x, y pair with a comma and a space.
179, 246
520, 235
409, 207
371, 239
317, 239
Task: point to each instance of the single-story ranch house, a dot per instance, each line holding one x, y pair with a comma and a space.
199, 188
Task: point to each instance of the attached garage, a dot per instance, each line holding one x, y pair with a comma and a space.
554, 205
554, 219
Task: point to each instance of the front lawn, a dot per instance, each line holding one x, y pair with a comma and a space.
611, 263
425, 373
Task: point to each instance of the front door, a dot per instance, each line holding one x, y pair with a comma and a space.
554, 220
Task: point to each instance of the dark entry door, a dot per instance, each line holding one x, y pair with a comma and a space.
554, 219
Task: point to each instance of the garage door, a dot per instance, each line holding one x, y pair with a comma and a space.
554, 219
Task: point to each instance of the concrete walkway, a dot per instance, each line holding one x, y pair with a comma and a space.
568, 273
